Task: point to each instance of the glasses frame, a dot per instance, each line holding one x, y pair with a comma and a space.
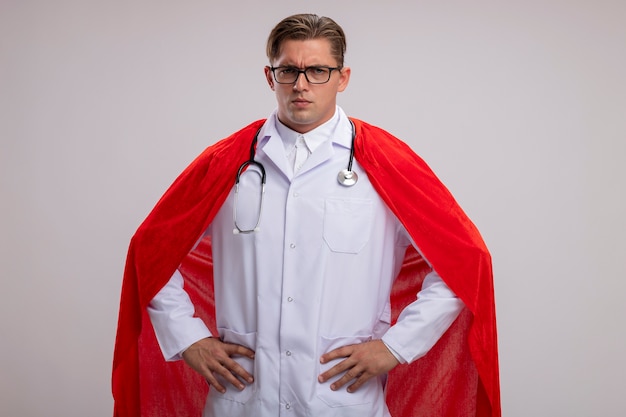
303, 71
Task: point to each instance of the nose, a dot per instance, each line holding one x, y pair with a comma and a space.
301, 82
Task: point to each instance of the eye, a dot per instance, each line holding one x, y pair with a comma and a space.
287, 71
319, 70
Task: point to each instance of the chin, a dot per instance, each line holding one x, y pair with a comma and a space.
301, 120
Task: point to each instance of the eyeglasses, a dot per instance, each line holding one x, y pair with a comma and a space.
314, 75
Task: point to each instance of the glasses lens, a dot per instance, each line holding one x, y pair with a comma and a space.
315, 75
318, 75
285, 74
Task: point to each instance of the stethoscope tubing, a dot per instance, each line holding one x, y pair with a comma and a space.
345, 177
348, 173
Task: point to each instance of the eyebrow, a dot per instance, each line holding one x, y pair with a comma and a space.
308, 66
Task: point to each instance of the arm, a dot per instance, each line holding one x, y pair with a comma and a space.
172, 315
181, 335
420, 325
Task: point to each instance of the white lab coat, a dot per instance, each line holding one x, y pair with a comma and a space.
316, 276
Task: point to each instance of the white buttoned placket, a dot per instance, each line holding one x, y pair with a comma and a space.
289, 363
298, 312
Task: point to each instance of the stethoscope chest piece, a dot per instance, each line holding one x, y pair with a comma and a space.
347, 178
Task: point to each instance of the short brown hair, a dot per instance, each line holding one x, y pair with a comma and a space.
304, 27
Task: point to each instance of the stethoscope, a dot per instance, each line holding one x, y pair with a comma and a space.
345, 177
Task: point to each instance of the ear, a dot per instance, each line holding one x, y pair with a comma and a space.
269, 77
344, 78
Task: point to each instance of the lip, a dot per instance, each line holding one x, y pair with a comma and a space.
300, 102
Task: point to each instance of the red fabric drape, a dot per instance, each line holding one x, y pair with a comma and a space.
458, 377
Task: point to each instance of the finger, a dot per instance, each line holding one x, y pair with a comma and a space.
212, 381
342, 352
362, 379
238, 370
233, 349
225, 371
350, 375
341, 367
209, 371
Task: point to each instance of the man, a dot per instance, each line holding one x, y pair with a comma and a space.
312, 308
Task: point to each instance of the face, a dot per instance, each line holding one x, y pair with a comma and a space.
303, 106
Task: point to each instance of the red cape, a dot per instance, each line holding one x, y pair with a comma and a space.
458, 377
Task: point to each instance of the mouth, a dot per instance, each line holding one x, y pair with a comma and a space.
300, 102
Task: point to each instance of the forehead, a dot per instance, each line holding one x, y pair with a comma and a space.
303, 53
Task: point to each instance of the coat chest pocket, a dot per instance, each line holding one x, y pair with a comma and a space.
347, 223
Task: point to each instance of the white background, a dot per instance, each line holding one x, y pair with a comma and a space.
520, 107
